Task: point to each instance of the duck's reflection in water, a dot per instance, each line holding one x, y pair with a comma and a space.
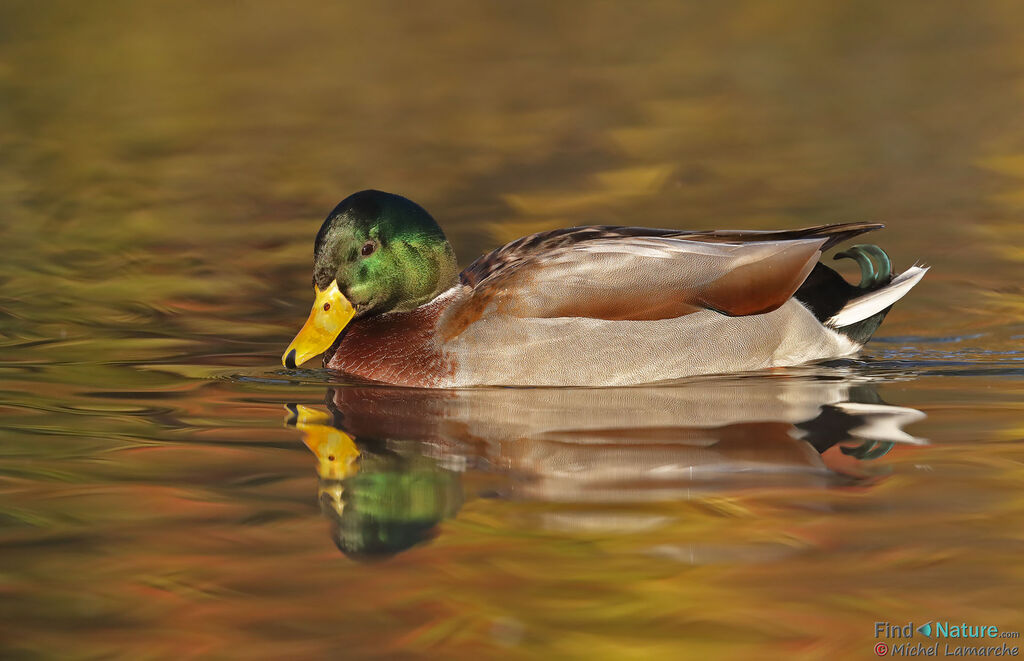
390, 460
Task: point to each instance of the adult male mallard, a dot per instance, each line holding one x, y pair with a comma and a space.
587, 306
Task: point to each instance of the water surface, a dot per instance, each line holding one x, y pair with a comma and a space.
167, 490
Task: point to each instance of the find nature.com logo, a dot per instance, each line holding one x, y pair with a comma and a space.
936, 638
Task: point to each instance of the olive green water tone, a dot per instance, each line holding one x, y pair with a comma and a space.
169, 490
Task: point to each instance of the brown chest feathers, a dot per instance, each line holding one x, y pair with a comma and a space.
399, 348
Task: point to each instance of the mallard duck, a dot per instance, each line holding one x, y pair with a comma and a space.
583, 306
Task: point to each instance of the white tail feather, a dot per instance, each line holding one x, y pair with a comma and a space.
881, 422
864, 306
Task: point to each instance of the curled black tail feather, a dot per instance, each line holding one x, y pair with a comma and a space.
825, 292
862, 253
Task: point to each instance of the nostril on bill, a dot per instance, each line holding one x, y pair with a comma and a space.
289, 360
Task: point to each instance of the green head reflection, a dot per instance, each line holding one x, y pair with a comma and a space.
391, 507
379, 499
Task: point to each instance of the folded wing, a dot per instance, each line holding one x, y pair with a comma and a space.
620, 273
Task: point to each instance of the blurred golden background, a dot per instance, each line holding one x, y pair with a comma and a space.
164, 167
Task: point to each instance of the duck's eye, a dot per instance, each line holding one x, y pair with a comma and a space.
327, 306
368, 248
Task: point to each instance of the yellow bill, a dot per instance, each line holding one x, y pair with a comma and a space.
331, 313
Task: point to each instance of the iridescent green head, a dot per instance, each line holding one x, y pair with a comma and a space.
385, 252
375, 253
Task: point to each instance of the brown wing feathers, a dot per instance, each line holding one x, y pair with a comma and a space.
634, 273
833, 234
535, 245
761, 286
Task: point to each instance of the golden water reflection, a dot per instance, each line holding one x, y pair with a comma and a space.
390, 460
